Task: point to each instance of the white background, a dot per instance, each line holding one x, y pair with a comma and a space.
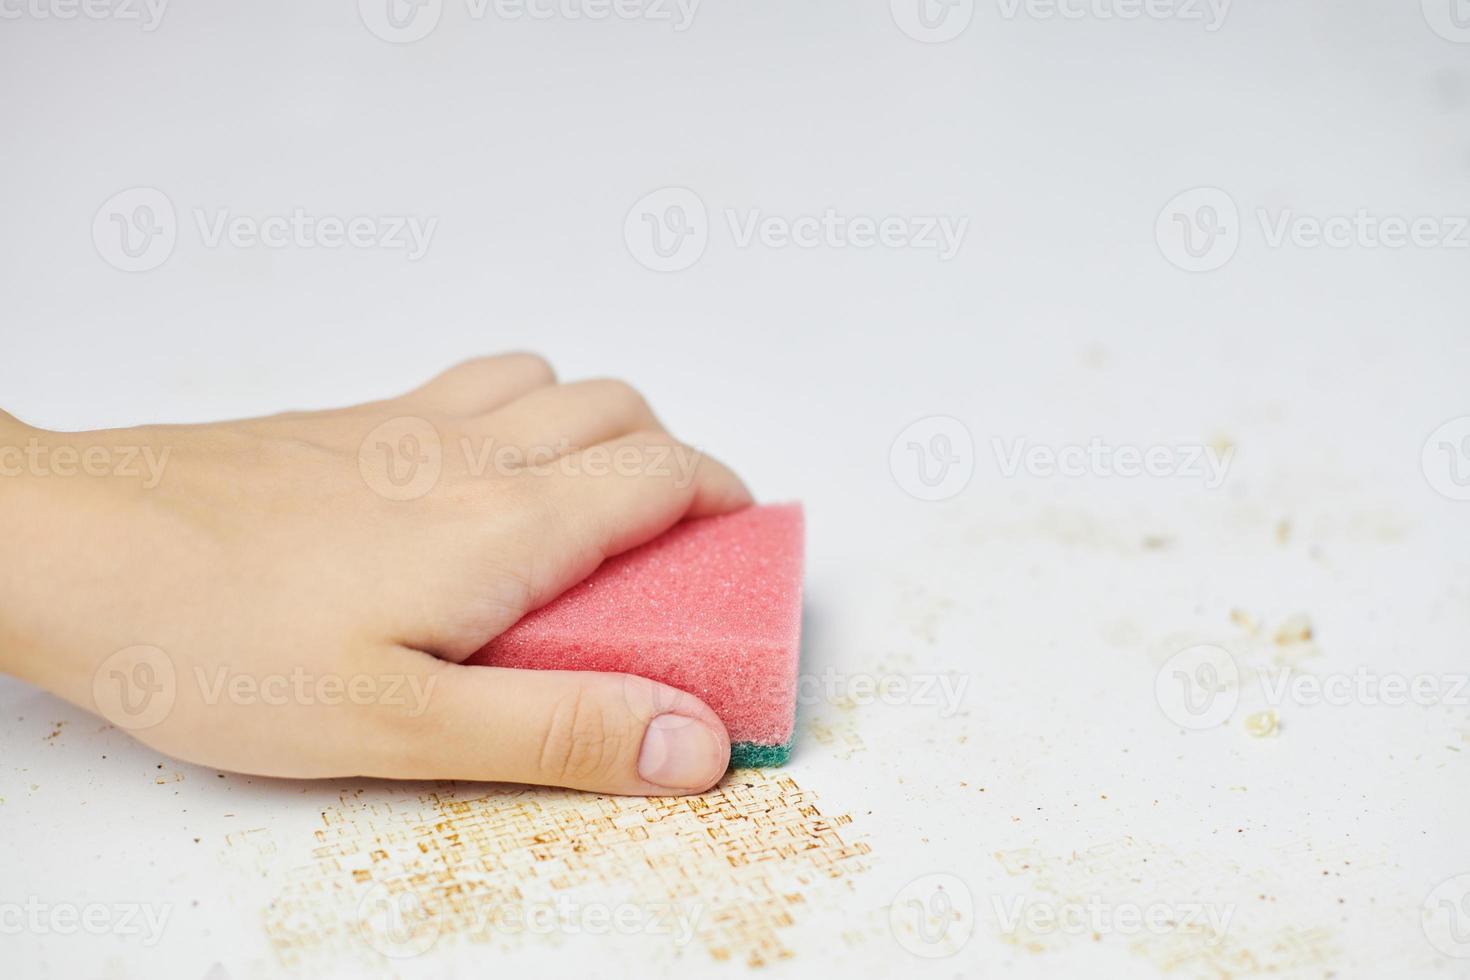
1062, 317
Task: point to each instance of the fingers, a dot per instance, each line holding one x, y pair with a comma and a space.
608, 733
564, 418
482, 385
508, 551
618, 494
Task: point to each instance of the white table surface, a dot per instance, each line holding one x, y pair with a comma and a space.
1045, 608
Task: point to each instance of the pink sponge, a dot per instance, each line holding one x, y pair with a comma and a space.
712, 607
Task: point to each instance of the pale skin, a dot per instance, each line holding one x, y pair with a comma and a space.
315, 627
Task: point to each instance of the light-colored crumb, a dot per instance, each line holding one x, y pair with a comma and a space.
1263, 724
1245, 621
1296, 628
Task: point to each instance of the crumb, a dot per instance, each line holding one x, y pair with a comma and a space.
1296, 628
1244, 620
1263, 724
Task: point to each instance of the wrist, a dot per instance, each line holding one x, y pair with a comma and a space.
18, 501
72, 536
32, 509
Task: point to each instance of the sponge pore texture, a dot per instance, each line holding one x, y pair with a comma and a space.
712, 607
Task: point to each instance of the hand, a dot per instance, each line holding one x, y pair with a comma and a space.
292, 595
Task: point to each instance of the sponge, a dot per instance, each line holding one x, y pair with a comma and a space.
712, 607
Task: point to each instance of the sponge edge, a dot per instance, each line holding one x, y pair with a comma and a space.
753, 755
712, 607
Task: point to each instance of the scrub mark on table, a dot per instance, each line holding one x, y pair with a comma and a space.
730, 871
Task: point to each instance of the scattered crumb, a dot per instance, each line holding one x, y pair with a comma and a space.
1296, 628
1244, 620
1263, 724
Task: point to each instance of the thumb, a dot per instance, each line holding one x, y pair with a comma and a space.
609, 733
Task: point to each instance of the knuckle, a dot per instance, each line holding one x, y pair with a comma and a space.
534, 365
647, 698
627, 400
584, 742
464, 371
505, 591
654, 438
